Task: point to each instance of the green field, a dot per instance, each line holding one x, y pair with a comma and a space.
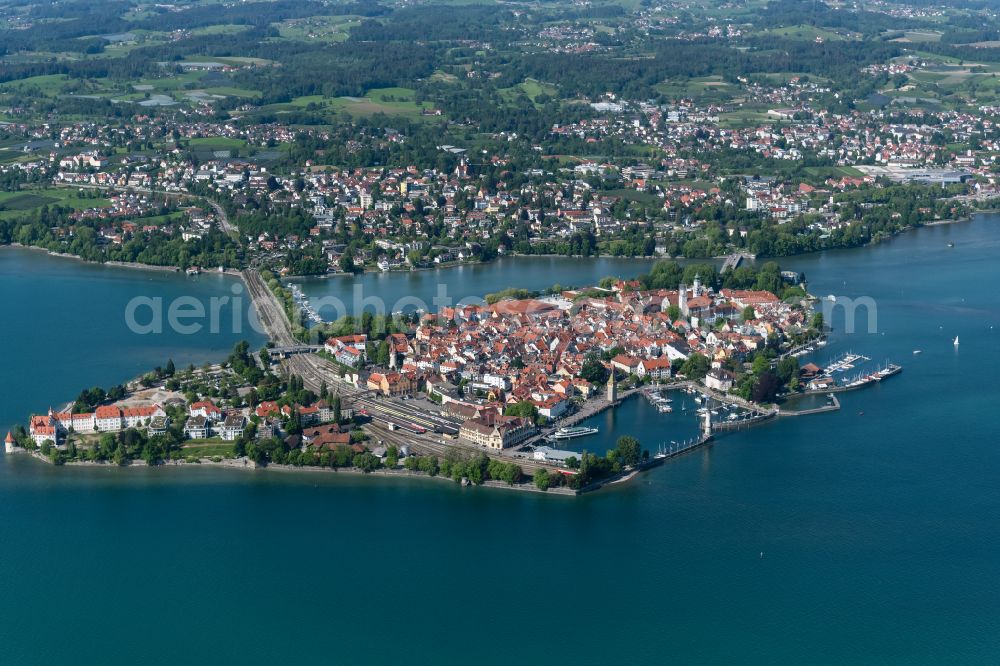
217, 143
704, 89
15, 204
917, 36
318, 28
23, 200
809, 32
49, 85
531, 88
390, 101
744, 118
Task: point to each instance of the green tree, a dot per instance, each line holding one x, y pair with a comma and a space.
788, 368
696, 366
760, 364
627, 451
542, 479
366, 462
524, 408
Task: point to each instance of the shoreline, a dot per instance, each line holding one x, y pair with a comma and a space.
457, 264
246, 465
131, 265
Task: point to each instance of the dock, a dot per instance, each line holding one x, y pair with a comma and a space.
845, 362
832, 406
665, 453
861, 380
754, 413
733, 261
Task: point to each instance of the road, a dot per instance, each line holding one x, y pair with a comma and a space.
224, 223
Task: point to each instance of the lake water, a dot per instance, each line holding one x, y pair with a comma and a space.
866, 535
404, 291
65, 326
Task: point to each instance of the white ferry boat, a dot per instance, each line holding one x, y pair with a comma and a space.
572, 433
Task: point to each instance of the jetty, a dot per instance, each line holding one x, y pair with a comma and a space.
752, 413
832, 405
860, 380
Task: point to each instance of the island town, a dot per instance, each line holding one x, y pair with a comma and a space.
339, 150
488, 393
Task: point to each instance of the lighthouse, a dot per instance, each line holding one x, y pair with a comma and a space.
706, 424
612, 388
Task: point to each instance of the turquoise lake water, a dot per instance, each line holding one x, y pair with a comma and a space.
65, 326
867, 535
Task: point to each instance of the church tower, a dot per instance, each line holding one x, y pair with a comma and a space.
696, 288
682, 300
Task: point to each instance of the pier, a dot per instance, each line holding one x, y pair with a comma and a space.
845, 362
754, 413
733, 261
832, 406
860, 380
666, 452
590, 408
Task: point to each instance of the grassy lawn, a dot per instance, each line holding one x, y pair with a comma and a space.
744, 118
207, 448
444, 77
530, 88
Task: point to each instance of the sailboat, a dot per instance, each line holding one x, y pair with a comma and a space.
956, 340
